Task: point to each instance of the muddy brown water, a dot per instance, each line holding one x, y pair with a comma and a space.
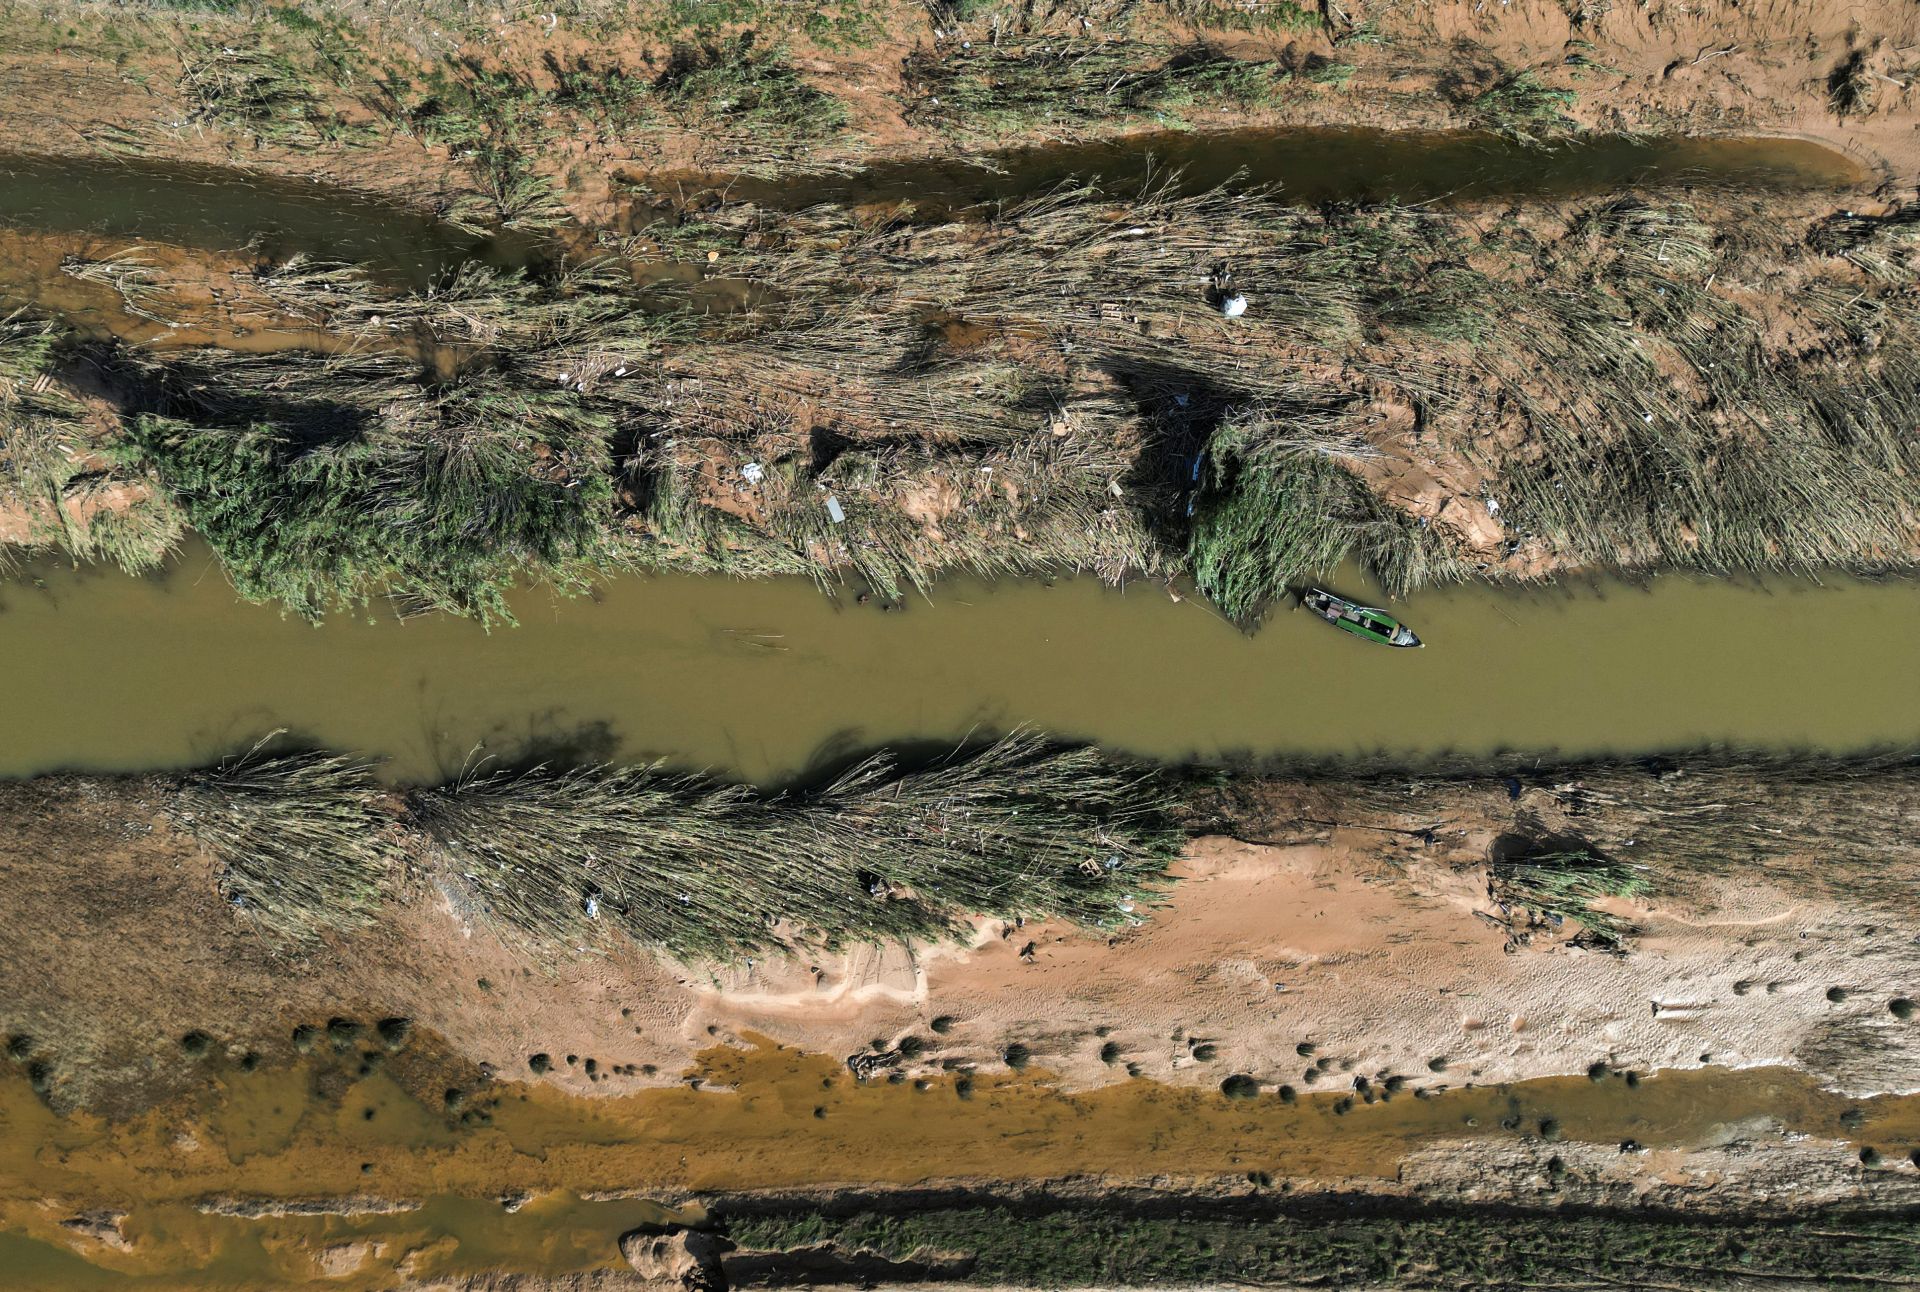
767, 679
761, 1117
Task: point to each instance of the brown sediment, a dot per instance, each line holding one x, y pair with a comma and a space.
265, 1159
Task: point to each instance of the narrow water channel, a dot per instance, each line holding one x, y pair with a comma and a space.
223, 209
764, 679
215, 208
1311, 166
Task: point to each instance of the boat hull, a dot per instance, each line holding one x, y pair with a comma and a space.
1368, 623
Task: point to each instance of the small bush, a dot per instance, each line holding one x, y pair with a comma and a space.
1521, 104
740, 86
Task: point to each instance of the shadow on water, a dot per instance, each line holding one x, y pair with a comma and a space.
217, 208
1317, 165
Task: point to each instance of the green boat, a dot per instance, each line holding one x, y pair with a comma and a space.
1362, 621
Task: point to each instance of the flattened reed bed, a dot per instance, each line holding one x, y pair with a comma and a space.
563, 861
302, 844
1066, 88
1837, 825
591, 859
704, 870
1624, 385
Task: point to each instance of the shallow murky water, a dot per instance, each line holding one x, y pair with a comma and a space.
765, 679
1337, 164
766, 1117
225, 209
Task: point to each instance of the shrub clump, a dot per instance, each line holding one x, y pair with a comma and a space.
499, 481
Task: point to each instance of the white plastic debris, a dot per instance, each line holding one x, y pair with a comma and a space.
1493, 508
834, 512
753, 473
593, 908
1233, 306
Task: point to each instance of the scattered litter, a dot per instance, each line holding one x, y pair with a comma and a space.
1233, 305
1113, 862
838, 516
712, 256
753, 473
1493, 507
593, 908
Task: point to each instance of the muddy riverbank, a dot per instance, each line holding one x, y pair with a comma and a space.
1372, 926
444, 104
295, 1177
1715, 385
